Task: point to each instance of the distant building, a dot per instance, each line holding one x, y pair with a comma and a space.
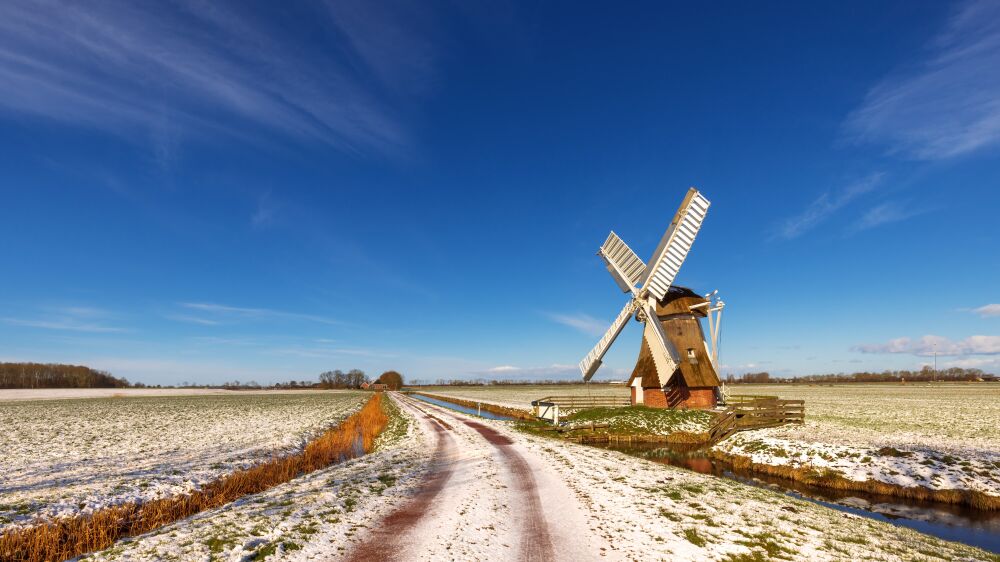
365, 385
379, 386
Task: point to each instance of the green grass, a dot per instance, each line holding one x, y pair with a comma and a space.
642, 420
694, 538
628, 420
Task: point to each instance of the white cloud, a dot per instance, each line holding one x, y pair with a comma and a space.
580, 322
949, 103
826, 205
192, 319
161, 71
556, 371
885, 213
68, 324
973, 363
266, 211
988, 310
253, 313
68, 318
929, 345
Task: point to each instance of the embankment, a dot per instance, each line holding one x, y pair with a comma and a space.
835, 481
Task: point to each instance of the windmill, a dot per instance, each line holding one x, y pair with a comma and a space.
675, 367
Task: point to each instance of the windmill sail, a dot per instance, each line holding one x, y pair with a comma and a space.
622, 263
592, 361
663, 352
676, 244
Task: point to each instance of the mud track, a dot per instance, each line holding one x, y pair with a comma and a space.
387, 540
392, 538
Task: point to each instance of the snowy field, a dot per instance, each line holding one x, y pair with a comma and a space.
936, 435
77, 454
682, 515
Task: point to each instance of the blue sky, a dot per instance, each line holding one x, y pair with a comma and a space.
199, 191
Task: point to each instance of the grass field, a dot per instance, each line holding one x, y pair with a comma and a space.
936, 435
77, 455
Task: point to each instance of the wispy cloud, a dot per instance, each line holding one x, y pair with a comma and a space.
326, 352
68, 324
988, 310
580, 322
237, 312
826, 205
265, 212
556, 371
164, 71
884, 213
928, 345
68, 318
382, 38
949, 104
192, 319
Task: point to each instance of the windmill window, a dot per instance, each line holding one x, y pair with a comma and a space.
691, 355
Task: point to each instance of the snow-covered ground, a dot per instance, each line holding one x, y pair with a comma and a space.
75, 455
937, 435
618, 508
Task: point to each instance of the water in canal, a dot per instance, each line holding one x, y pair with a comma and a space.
946, 521
463, 409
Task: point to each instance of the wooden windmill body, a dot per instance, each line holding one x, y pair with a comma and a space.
676, 368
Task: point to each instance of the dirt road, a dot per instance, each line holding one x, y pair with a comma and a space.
481, 500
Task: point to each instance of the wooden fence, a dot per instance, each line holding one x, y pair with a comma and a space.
756, 413
576, 402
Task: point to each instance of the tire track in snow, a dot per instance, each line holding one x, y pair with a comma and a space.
536, 543
535, 539
387, 540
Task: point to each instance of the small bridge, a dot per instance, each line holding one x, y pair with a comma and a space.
745, 412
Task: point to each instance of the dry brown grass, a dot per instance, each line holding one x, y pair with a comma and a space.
835, 481
68, 537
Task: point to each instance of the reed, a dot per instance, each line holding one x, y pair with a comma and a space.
67, 537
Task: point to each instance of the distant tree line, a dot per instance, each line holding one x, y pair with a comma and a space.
51, 375
925, 374
339, 379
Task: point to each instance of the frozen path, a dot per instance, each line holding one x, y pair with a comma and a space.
483, 499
